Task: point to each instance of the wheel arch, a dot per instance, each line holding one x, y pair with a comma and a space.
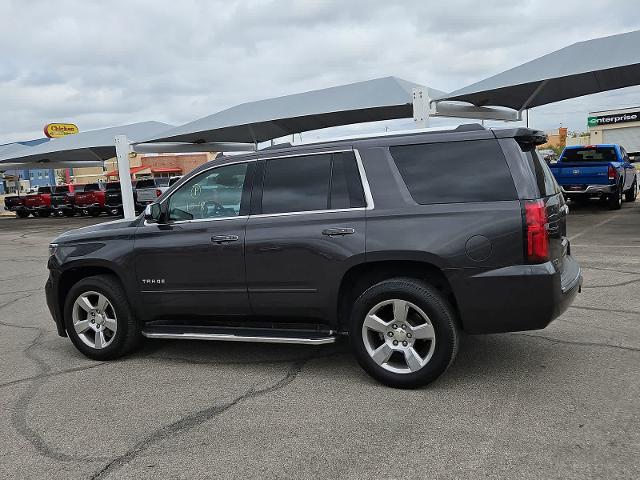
74, 273
363, 275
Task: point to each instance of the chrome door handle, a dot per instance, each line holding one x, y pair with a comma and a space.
336, 232
224, 238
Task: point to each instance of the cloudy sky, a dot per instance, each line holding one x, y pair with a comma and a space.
113, 62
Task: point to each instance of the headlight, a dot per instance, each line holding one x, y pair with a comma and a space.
53, 247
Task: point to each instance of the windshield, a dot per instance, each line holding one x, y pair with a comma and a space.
598, 154
162, 182
115, 186
91, 187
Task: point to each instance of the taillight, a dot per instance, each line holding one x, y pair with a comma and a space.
612, 173
158, 192
536, 231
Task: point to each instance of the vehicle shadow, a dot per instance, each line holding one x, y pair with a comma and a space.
481, 358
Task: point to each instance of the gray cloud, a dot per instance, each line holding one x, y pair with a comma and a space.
106, 63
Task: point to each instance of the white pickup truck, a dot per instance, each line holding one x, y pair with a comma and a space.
149, 189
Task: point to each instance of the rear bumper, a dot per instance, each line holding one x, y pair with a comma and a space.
588, 190
515, 298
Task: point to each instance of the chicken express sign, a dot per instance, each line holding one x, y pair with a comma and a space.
57, 130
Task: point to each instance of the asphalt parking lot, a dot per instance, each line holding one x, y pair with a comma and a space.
559, 403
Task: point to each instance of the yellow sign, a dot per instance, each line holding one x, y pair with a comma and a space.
57, 130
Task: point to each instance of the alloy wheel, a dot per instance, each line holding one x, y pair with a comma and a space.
398, 336
94, 320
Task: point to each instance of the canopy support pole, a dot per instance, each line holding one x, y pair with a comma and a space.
123, 148
421, 107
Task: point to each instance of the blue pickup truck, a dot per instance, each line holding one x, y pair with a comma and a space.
602, 171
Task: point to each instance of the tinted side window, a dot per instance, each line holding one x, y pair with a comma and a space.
296, 184
214, 193
470, 171
346, 185
544, 178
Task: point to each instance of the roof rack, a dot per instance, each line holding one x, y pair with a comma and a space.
467, 127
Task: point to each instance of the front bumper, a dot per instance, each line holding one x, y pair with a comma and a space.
18, 208
51, 294
515, 298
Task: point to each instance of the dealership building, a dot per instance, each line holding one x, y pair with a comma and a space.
613, 126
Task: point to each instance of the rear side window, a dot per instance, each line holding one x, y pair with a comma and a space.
296, 184
544, 178
346, 186
455, 172
312, 182
148, 183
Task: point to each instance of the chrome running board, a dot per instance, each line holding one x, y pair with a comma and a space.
311, 338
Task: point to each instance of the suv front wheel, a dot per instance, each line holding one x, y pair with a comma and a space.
98, 318
403, 332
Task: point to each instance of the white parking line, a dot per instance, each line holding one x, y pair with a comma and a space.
604, 246
597, 225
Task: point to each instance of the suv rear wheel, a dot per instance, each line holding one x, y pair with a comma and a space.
98, 318
403, 332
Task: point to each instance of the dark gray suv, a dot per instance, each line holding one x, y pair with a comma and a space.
399, 242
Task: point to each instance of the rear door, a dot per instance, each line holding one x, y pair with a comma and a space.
309, 224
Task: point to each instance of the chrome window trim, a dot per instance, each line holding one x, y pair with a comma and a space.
368, 197
307, 212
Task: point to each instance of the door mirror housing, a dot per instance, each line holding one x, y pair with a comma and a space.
152, 213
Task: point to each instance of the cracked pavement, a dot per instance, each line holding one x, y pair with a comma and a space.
563, 402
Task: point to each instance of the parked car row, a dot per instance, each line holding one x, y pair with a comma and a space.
89, 199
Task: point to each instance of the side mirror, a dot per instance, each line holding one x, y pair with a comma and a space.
152, 213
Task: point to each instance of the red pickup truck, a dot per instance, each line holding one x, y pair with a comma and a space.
39, 204
91, 200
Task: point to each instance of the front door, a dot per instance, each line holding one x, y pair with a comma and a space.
309, 229
193, 265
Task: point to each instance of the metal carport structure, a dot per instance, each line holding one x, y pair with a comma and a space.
612, 62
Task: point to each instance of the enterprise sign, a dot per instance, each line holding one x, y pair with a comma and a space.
613, 119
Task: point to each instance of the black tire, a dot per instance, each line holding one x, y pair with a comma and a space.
615, 199
22, 213
44, 213
631, 194
69, 213
127, 336
94, 212
440, 313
